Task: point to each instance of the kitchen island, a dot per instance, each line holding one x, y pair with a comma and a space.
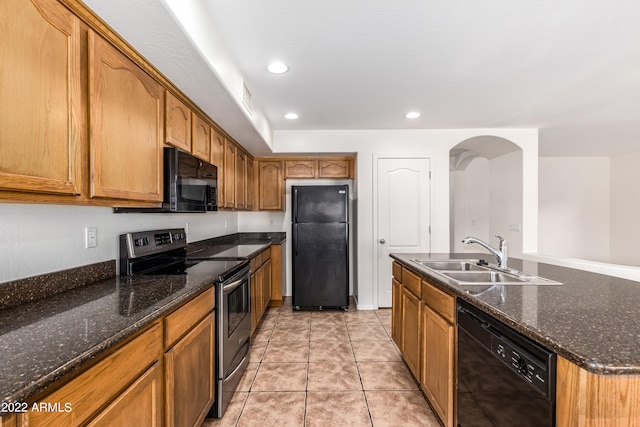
590, 321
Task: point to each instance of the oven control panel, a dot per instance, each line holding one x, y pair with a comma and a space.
152, 242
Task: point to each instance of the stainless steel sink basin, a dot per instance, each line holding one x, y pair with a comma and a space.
449, 265
483, 277
467, 272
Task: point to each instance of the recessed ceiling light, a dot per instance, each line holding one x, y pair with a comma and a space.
291, 116
412, 115
278, 67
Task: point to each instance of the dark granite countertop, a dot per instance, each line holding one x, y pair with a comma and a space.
43, 341
591, 319
53, 324
240, 245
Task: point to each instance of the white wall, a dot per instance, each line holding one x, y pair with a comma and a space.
625, 209
574, 207
505, 200
434, 144
471, 209
39, 239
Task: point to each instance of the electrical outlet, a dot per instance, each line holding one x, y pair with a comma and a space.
90, 237
186, 229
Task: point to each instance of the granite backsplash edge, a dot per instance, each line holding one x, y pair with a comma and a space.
22, 291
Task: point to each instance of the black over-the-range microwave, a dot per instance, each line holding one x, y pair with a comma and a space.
190, 185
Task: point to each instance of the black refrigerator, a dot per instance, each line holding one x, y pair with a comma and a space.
320, 229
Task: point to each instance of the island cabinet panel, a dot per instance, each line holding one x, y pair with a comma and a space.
103, 383
126, 126
270, 186
177, 123
200, 138
139, 405
396, 320
40, 98
589, 400
438, 363
411, 327
190, 376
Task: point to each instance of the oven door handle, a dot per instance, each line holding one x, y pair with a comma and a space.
231, 286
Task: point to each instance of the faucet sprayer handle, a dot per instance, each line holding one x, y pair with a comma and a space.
502, 241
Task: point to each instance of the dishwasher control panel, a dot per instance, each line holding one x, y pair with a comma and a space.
524, 364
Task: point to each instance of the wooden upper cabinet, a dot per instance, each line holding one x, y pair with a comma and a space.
334, 169
201, 138
229, 170
177, 122
301, 169
126, 126
270, 185
241, 179
250, 184
40, 97
217, 159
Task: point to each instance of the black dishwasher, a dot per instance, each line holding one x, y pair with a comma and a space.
504, 378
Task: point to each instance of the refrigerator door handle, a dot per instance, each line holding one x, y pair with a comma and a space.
295, 238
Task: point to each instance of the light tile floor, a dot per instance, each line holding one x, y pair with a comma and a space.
326, 368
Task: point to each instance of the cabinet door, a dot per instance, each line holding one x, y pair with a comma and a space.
396, 312
266, 284
250, 184
411, 326
277, 275
256, 298
241, 179
217, 159
229, 174
126, 123
177, 123
301, 169
270, 186
334, 169
438, 370
40, 97
190, 376
139, 405
200, 138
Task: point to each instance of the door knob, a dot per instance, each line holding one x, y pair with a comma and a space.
383, 241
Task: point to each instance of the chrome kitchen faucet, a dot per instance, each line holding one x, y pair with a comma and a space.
500, 253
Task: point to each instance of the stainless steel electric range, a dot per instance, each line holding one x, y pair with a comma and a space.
165, 252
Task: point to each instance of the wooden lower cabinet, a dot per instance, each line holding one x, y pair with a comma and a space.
438, 363
411, 325
261, 276
105, 382
139, 405
8, 421
396, 311
278, 274
190, 376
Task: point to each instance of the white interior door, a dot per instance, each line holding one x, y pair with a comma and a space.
403, 220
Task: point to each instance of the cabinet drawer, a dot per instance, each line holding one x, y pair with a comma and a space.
95, 387
180, 321
397, 271
441, 302
411, 281
256, 262
266, 255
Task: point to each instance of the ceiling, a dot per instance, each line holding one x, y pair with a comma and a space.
568, 67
